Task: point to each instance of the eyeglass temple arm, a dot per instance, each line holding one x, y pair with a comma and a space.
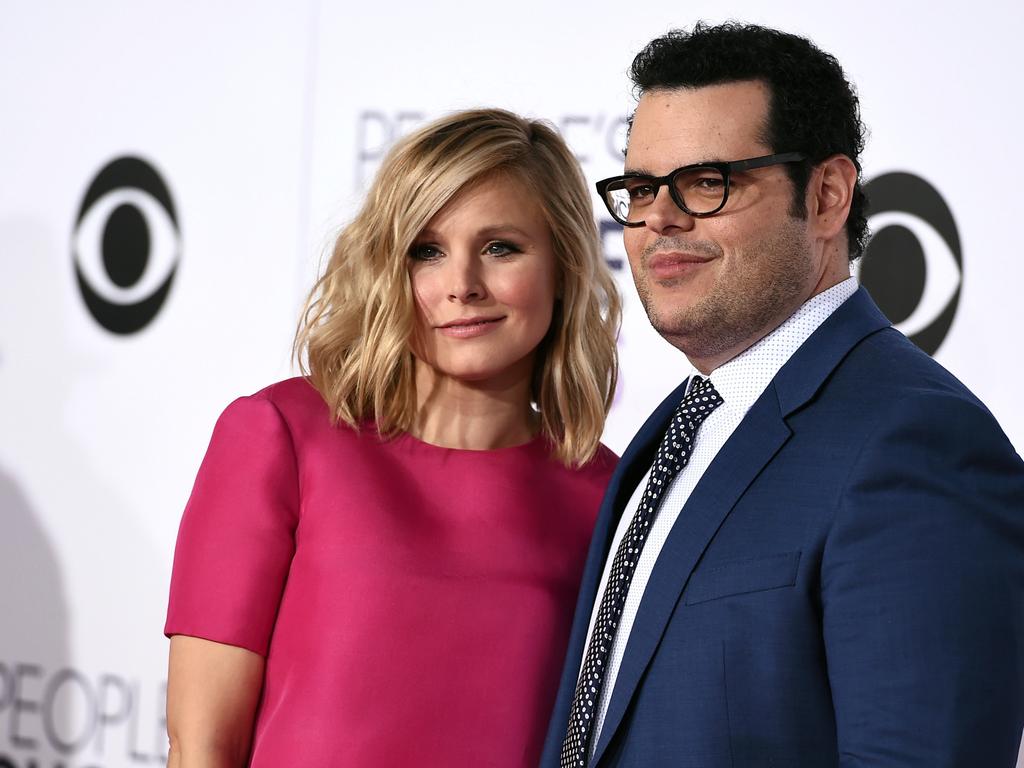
761, 162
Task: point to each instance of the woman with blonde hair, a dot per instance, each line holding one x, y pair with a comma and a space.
379, 561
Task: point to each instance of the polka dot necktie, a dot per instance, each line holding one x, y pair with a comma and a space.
673, 454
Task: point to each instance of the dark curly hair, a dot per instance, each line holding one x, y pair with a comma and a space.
814, 108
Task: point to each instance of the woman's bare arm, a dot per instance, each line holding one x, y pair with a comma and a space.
212, 693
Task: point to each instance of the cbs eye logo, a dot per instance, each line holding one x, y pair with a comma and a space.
126, 245
912, 265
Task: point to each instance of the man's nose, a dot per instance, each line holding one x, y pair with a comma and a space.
663, 215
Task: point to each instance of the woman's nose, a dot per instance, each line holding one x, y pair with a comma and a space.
465, 281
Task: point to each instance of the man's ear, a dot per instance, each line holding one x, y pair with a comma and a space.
830, 192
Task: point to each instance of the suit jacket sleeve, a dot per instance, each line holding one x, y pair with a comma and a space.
922, 580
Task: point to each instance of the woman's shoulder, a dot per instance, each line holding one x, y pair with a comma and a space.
294, 398
584, 483
602, 463
293, 403
294, 393
605, 456
597, 470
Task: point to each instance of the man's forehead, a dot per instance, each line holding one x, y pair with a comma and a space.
698, 124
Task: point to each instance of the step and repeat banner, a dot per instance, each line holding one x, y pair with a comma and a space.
170, 178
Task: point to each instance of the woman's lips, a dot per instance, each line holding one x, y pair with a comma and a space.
470, 327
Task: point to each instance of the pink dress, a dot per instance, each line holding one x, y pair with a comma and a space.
413, 602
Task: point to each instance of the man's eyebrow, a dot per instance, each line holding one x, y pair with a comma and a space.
639, 172
647, 172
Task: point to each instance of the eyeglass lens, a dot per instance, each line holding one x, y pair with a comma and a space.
702, 190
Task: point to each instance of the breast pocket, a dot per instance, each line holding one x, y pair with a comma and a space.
738, 577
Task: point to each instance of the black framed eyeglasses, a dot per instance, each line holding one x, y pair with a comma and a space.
700, 190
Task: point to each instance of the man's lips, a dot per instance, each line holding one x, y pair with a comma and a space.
466, 327
666, 264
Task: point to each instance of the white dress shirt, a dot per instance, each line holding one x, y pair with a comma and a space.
740, 382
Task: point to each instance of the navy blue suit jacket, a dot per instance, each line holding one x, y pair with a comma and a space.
844, 586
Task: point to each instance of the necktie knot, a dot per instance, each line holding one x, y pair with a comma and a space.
674, 451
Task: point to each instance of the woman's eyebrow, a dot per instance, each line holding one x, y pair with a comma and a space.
502, 229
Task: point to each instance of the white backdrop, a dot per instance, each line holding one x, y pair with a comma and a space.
264, 121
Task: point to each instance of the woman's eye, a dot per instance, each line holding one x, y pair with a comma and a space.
500, 248
424, 252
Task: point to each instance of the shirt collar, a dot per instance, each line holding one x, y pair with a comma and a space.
741, 380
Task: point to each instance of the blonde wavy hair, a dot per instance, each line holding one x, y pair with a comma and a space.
354, 335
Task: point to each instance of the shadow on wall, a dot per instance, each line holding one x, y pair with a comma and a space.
34, 638
75, 602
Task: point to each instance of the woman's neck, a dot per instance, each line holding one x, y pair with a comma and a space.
473, 415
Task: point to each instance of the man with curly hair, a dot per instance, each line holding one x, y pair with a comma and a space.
812, 554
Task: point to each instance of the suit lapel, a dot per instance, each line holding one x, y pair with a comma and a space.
633, 465
752, 445
635, 461
756, 440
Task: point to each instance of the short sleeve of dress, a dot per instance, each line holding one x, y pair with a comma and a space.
237, 535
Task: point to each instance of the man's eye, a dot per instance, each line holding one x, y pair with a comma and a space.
713, 182
710, 181
710, 186
640, 191
424, 252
